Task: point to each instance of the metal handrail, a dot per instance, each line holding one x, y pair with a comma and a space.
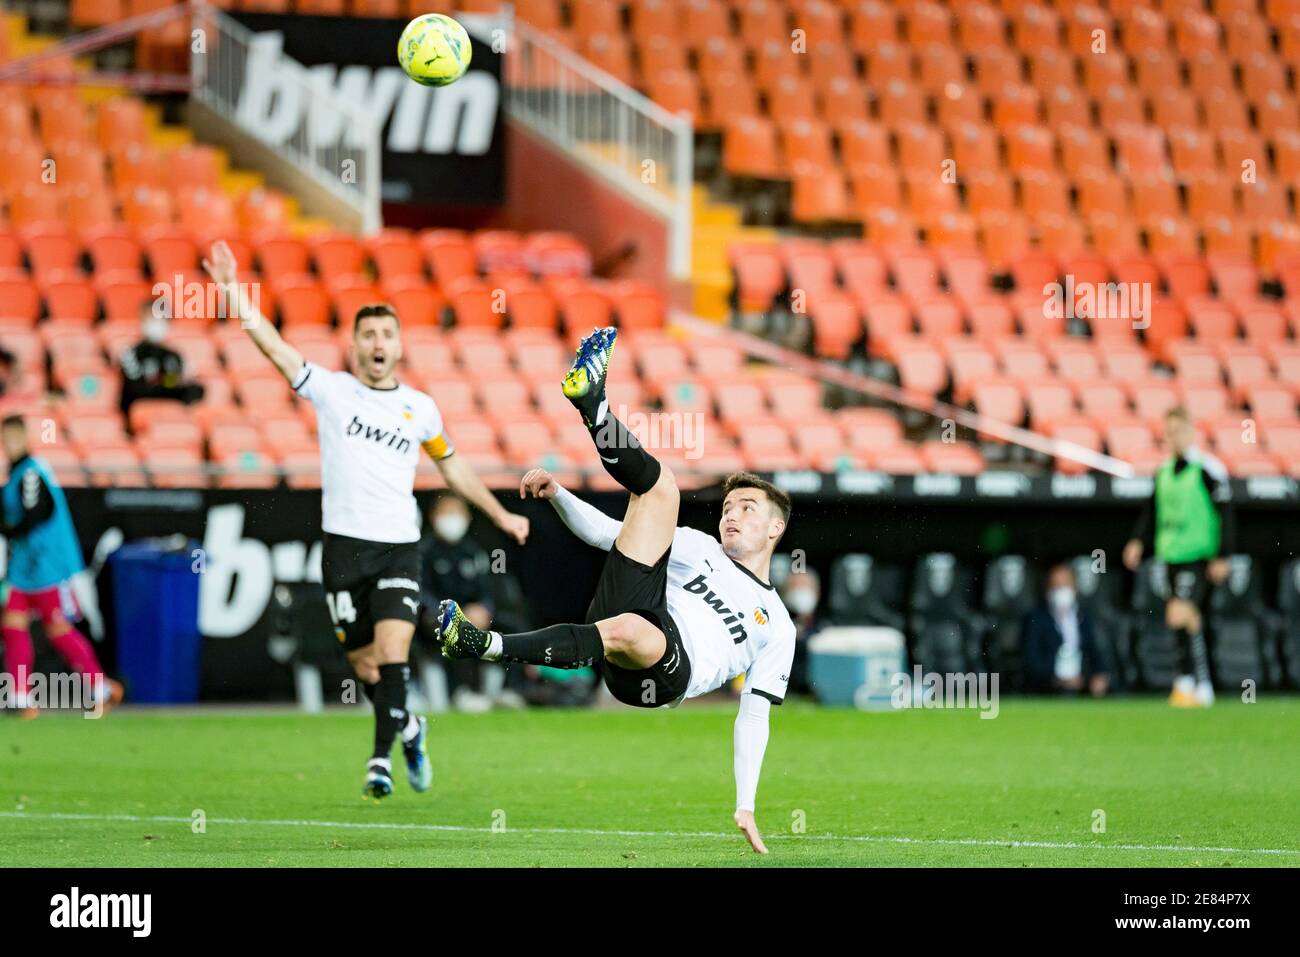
219, 82
606, 126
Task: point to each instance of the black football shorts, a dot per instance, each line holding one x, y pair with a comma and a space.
628, 586
366, 582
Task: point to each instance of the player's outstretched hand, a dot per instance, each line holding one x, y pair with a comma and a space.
221, 267
516, 526
538, 483
745, 821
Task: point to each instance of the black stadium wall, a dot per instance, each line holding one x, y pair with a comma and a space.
253, 539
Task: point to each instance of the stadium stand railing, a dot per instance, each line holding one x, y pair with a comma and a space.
608, 126
336, 143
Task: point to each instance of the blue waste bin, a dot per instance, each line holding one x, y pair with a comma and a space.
156, 603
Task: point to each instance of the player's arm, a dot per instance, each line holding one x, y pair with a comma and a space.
36, 503
468, 484
765, 685
1140, 538
1219, 485
223, 270
586, 521
750, 743
1215, 478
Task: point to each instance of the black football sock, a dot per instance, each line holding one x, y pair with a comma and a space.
368, 689
623, 456
390, 707
1182, 652
560, 646
1200, 656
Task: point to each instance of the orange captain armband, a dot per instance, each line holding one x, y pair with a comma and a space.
438, 447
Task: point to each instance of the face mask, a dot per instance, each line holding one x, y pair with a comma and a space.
155, 330
1062, 599
802, 601
451, 527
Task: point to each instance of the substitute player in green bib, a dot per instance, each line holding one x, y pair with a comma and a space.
1190, 520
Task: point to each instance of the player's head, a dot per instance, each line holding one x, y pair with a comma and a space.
154, 318
450, 517
376, 343
802, 591
1060, 587
13, 429
754, 515
1179, 431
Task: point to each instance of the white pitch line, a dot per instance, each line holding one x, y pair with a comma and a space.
595, 832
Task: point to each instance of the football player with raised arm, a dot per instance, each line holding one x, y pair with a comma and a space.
371, 429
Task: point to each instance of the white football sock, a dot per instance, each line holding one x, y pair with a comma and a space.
494, 647
411, 730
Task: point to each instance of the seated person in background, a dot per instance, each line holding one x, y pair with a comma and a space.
8, 371
13, 385
150, 370
801, 594
1061, 652
455, 564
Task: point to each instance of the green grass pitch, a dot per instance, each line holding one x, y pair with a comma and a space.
624, 788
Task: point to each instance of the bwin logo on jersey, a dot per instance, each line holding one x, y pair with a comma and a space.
733, 620
392, 438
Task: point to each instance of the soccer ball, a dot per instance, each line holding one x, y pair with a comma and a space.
434, 50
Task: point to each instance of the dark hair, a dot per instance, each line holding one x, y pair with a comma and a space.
13, 422
1061, 567
778, 497
1178, 412
443, 495
371, 311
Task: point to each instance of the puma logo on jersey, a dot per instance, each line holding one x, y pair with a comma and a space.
390, 437
734, 621
414, 605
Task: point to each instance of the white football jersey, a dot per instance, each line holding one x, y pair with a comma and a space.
730, 622
370, 442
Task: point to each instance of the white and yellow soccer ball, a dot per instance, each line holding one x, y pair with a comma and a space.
434, 50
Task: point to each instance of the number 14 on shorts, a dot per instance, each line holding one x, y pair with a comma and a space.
341, 607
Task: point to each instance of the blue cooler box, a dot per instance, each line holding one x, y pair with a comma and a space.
855, 667
156, 604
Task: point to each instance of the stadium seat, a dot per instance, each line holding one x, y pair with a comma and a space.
1288, 603
944, 634
1011, 591
1243, 633
864, 592
1153, 643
